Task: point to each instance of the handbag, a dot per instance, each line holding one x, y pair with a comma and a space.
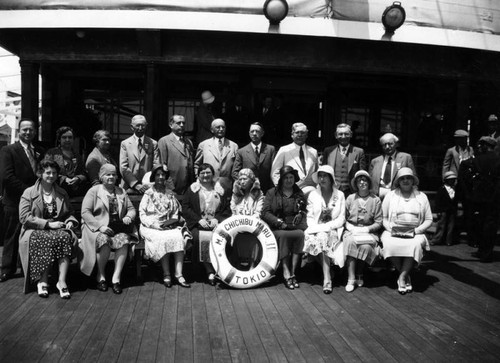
364, 239
403, 232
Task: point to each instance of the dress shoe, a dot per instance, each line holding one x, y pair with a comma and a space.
182, 282
117, 289
351, 284
43, 290
359, 281
211, 280
295, 283
63, 292
289, 284
401, 288
408, 286
5, 277
102, 286
327, 288
167, 281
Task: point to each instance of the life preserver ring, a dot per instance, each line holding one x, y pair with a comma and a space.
224, 233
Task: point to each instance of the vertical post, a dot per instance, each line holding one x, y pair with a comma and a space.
29, 90
152, 103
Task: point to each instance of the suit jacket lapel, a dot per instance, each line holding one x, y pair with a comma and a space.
251, 154
225, 149
214, 149
350, 158
263, 152
22, 154
177, 144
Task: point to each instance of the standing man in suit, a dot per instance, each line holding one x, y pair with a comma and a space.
299, 156
344, 158
257, 156
178, 153
460, 152
383, 168
218, 152
19, 167
138, 154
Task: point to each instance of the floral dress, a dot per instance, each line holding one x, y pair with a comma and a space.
47, 246
156, 208
122, 231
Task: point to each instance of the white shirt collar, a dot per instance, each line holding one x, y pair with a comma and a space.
25, 145
259, 145
216, 139
137, 139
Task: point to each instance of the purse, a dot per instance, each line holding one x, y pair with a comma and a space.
364, 239
403, 232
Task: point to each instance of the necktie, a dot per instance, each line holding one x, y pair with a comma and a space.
344, 152
257, 153
139, 147
220, 147
302, 159
31, 158
387, 172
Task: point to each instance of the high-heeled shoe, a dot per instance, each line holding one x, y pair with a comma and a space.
295, 283
327, 288
351, 284
63, 292
43, 290
401, 288
211, 280
359, 281
408, 286
167, 281
182, 281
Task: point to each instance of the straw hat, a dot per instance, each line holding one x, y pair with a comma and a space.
325, 169
357, 175
405, 172
449, 175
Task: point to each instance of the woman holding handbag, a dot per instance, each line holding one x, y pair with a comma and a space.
406, 216
364, 220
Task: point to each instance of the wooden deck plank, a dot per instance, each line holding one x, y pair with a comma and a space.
201, 334
114, 343
282, 333
184, 345
85, 334
152, 328
272, 348
134, 333
234, 336
165, 351
62, 341
218, 339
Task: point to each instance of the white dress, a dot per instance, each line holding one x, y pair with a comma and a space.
155, 208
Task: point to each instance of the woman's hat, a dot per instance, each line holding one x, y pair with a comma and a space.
155, 170
288, 170
449, 175
106, 169
461, 133
357, 175
405, 172
324, 169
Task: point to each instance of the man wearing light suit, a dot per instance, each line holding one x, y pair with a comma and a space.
460, 152
178, 153
138, 154
383, 168
257, 156
299, 156
19, 163
344, 158
218, 152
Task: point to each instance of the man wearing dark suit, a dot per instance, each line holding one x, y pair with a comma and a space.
178, 153
344, 158
19, 165
383, 168
138, 154
219, 152
237, 119
268, 118
460, 152
257, 156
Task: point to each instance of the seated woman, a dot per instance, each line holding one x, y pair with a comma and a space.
325, 215
162, 226
47, 218
284, 211
247, 200
364, 220
99, 156
406, 217
72, 176
204, 206
107, 224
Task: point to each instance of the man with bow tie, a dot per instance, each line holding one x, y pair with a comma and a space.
299, 156
19, 163
138, 154
219, 152
177, 152
344, 158
257, 156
